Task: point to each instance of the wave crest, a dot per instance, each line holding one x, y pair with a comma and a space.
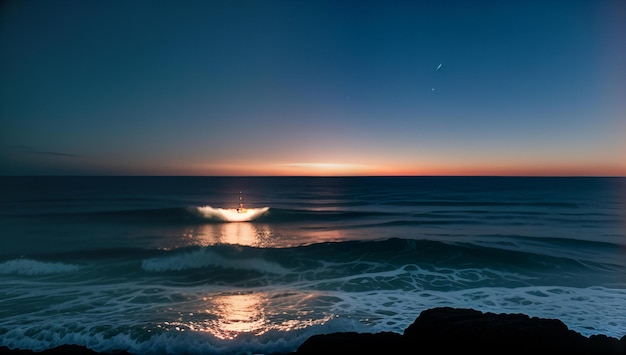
205, 258
33, 267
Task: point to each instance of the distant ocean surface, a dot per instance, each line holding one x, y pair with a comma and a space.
150, 265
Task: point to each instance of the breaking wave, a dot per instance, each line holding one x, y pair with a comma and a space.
30, 267
207, 258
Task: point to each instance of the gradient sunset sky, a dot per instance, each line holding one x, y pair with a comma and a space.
304, 87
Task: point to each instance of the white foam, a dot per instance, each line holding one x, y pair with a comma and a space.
231, 214
589, 311
34, 267
204, 258
146, 325
175, 341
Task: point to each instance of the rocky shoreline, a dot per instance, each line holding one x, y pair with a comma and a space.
441, 330
452, 330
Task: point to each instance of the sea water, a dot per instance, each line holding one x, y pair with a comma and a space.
148, 265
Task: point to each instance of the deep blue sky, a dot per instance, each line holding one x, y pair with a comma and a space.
313, 87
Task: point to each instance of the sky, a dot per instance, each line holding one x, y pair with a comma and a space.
251, 87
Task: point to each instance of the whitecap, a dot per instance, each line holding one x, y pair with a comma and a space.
33, 267
203, 258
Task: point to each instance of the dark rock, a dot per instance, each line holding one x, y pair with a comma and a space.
455, 329
452, 330
602, 344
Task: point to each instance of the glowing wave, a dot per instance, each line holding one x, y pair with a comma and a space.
232, 214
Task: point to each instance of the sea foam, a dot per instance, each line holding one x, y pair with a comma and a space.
158, 341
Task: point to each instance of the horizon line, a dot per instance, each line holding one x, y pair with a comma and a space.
307, 176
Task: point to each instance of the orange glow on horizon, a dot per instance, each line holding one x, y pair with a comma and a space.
396, 168
348, 169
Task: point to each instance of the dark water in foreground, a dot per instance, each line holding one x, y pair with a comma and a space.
149, 265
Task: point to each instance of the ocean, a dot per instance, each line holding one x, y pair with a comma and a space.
153, 265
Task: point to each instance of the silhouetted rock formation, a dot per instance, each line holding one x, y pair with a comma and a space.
451, 330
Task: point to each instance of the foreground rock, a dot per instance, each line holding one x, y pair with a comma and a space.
452, 330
